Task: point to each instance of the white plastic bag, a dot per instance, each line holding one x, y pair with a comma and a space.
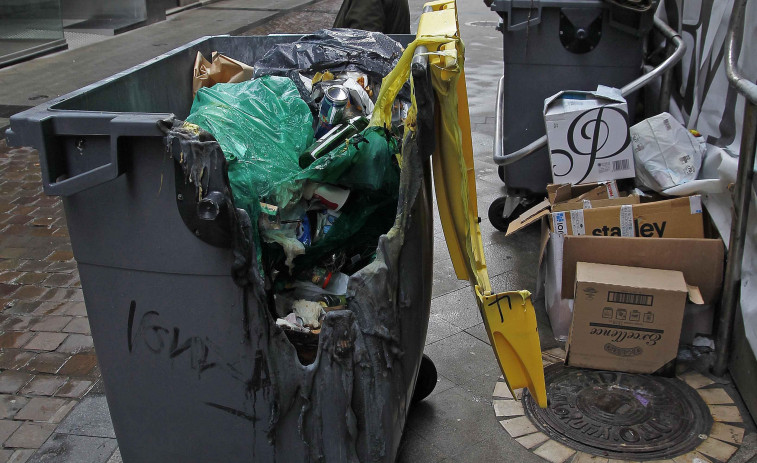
666, 154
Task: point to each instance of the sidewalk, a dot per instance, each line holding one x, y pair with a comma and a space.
33, 82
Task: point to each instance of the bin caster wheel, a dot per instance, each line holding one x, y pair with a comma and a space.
496, 214
501, 172
426, 381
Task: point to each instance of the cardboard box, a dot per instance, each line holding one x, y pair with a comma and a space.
567, 197
700, 260
673, 218
626, 318
588, 136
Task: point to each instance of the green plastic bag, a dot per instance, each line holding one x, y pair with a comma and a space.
262, 127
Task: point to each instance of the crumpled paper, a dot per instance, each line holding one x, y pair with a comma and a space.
220, 69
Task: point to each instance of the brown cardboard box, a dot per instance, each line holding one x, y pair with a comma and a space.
565, 197
672, 218
700, 260
626, 318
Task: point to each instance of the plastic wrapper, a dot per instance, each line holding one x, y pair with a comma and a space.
665, 152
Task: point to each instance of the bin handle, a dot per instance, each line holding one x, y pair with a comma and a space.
505, 159
127, 125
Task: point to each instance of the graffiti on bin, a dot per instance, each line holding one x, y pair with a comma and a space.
159, 338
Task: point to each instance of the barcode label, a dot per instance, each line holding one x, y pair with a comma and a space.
621, 164
630, 298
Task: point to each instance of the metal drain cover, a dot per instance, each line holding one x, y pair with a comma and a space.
620, 415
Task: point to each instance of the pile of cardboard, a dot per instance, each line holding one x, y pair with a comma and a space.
625, 278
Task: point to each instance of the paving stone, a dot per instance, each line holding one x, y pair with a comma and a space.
517, 427
15, 338
7, 428
11, 381
74, 388
19, 307
726, 413
716, 449
30, 435
43, 385
715, 396
530, 441
21, 455
501, 390
90, 418
691, 457
70, 447
47, 409
46, 362
17, 322
31, 278
76, 343
504, 408
13, 359
5, 455
74, 309
116, 457
46, 341
554, 452
696, 380
78, 325
29, 292
48, 308
52, 323
11, 404
8, 277
60, 280
727, 433
79, 365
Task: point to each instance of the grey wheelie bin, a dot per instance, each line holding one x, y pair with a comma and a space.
194, 367
550, 46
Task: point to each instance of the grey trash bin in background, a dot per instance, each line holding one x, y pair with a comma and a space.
555, 45
194, 368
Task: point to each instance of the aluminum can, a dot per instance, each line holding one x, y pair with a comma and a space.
331, 112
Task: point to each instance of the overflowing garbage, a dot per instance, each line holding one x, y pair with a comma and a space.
319, 185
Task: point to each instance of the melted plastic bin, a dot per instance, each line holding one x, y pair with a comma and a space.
194, 368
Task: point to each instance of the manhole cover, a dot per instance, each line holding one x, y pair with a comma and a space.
620, 415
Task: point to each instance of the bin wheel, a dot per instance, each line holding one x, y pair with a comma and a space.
426, 381
496, 212
501, 172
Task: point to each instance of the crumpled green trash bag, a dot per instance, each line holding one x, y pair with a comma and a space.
262, 126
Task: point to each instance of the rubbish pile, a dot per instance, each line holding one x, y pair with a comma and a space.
630, 264
319, 184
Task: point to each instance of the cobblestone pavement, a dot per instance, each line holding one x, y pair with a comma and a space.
46, 354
